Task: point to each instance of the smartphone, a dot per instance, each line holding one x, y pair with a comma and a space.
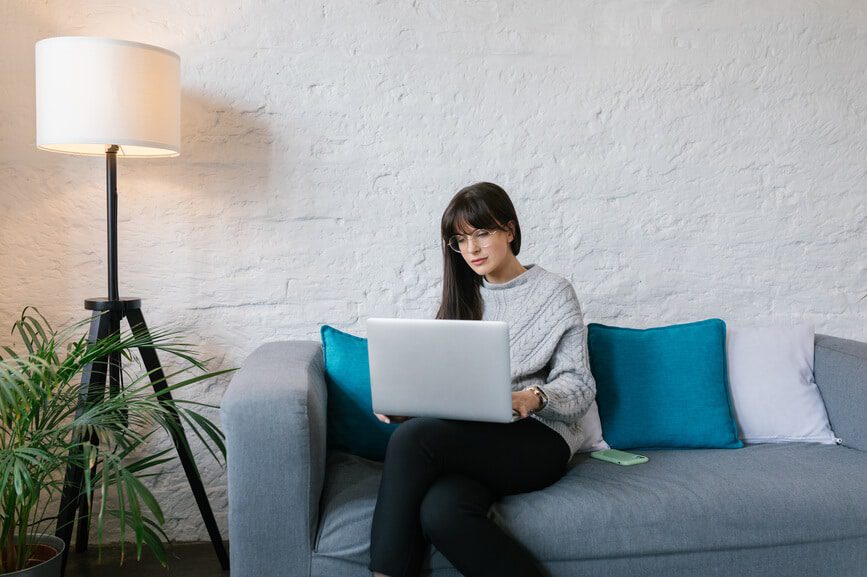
619, 457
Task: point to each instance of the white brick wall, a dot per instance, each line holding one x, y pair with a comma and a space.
675, 160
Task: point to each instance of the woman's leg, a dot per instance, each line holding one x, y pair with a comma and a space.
454, 517
504, 458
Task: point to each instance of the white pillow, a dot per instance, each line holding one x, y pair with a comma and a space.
592, 427
774, 395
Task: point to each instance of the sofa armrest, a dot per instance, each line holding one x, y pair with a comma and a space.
840, 369
274, 416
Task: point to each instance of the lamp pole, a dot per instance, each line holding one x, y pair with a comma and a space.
111, 193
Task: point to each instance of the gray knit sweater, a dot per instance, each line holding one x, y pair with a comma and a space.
547, 343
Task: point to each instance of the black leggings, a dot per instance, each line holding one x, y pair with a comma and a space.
440, 477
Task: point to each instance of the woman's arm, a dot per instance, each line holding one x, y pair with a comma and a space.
570, 386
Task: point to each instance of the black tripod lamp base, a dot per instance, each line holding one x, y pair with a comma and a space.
104, 372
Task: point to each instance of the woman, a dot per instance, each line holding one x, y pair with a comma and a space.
440, 476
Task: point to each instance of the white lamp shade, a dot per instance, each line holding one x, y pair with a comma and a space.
94, 92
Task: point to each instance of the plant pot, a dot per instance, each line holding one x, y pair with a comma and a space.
48, 555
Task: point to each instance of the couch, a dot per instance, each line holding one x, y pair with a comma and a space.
791, 509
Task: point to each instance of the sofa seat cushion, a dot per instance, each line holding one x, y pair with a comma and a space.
680, 500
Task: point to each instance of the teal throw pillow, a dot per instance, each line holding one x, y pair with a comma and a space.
663, 387
352, 426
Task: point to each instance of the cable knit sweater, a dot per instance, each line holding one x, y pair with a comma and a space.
547, 343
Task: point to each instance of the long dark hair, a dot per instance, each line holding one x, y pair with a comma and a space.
481, 205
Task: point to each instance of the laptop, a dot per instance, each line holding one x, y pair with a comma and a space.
451, 369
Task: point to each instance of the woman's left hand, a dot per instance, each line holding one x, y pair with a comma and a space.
525, 402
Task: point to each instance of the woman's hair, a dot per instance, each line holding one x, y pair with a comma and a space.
480, 205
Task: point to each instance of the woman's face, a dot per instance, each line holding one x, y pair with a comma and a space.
494, 254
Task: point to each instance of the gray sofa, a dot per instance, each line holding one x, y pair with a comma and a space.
797, 509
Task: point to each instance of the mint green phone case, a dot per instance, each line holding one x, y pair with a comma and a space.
619, 457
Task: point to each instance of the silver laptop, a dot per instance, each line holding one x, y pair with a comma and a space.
452, 369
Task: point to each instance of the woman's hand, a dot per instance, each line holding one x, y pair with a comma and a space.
525, 402
391, 418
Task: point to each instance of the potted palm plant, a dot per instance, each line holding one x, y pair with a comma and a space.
43, 432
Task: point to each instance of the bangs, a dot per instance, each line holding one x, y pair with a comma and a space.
471, 213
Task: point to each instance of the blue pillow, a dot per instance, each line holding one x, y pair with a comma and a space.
663, 387
352, 426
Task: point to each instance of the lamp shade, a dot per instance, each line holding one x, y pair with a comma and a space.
94, 92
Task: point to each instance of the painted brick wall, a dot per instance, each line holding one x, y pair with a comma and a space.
675, 160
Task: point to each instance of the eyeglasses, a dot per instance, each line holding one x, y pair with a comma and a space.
482, 237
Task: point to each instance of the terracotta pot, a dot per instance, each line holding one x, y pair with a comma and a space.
45, 559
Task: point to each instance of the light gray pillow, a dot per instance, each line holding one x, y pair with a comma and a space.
774, 395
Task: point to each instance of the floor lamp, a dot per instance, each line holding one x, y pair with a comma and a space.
103, 96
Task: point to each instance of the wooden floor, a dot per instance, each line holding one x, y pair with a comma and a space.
187, 559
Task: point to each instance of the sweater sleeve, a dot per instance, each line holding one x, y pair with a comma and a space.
570, 386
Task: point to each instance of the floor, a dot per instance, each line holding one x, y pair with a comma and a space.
187, 559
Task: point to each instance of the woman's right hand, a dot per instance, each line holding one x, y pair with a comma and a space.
391, 418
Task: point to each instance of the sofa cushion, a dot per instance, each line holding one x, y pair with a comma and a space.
774, 395
680, 500
352, 425
839, 367
663, 387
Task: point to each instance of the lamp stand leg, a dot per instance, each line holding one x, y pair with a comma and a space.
83, 534
152, 364
92, 387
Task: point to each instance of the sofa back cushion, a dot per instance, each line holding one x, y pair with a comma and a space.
663, 387
840, 369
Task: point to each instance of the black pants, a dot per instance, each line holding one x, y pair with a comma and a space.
440, 477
